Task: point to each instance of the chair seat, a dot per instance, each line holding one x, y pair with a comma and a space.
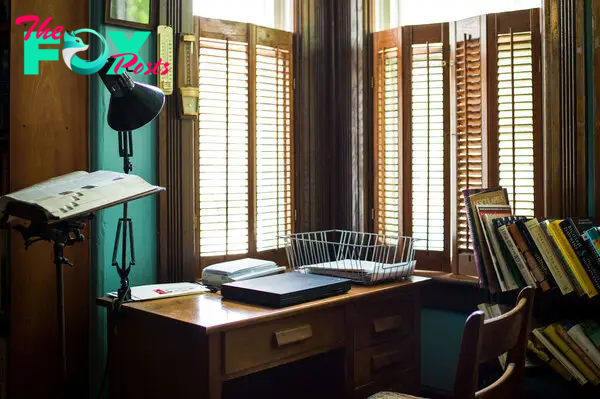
393, 395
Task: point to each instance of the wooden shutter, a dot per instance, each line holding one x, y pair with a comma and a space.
245, 135
223, 138
273, 137
386, 95
514, 108
426, 128
469, 123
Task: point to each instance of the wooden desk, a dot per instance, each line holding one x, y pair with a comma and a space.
187, 347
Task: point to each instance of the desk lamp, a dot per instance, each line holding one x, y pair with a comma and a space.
132, 106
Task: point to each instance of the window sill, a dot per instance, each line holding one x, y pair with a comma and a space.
448, 277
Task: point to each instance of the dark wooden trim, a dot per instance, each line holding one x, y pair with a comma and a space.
553, 199
596, 99
538, 146
130, 24
176, 153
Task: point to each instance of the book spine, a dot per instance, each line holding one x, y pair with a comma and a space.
516, 255
510, 282
510, 263
526, 254
538, 333
594, 259
536, 253
582, 251
483, 280
542, 354
576, 332
577, 287
551, 333
592, 331
595, 236
572, 259
562, 333
538, 236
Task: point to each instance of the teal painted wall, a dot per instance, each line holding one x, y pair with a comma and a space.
441, 333
104, 155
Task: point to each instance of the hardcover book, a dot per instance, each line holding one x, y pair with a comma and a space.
572, 260
483, 260
536, 252
487, 214
527, 255
573, 228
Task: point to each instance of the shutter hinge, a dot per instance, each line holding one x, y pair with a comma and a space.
372, 82
295, 215
444, 63
372, 213
540, 66
294, 84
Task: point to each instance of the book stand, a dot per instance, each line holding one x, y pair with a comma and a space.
61, 234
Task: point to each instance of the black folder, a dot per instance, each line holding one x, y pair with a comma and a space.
285, 289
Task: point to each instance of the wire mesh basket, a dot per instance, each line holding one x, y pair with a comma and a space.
364, 258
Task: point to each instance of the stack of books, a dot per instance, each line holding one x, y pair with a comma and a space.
513, 251
570, 349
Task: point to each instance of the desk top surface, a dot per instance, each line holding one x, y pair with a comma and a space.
212, 313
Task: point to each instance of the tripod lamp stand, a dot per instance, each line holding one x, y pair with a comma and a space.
132, 106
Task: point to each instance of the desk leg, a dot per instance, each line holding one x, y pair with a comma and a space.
215, 369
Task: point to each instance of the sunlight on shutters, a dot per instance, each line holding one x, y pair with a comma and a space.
388, 160
223, 140
427, 103
515, 120
273, 147
469, 160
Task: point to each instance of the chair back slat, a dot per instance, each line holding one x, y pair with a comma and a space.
501, 333
486, 340
503, 388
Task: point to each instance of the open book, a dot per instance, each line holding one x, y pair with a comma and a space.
74, 194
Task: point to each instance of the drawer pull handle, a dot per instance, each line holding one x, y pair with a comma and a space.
293, 335
387, 359
387, 324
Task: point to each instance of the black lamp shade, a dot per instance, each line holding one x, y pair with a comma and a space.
132, 104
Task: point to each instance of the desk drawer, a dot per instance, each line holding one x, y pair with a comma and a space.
269, 344
389, 319
383, 362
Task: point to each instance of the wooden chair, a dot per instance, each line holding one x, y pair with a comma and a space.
486, 340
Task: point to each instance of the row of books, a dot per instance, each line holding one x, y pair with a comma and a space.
514, 251
572, 350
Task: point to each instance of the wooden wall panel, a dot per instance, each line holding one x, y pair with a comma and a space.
314, 124
48, 137
352, 102
564, 108
595, 162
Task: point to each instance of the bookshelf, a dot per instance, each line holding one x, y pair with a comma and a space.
560, 258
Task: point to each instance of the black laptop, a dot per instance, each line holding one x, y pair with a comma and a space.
285, 289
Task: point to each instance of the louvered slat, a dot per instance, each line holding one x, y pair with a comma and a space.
469, 147
427, 102
273, 147
223, 142
516, 120
388, 159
